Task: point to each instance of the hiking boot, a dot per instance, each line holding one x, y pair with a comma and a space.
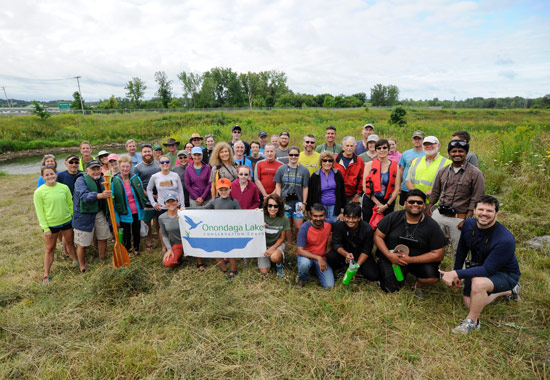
516, 290
279, 268
467, 326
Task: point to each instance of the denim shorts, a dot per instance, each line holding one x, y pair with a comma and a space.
502, 282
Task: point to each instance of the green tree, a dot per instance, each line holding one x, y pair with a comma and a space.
135, 90
381, 95
174, 103
251, 86
191, 85
76, 102
40, 111
329, 101
397, 116
164, 91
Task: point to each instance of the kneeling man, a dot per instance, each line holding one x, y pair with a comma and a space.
423, 237
492, 269
312, 245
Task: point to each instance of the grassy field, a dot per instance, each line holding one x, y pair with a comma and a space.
147, 322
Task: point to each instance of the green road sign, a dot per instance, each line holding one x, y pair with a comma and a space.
65, 105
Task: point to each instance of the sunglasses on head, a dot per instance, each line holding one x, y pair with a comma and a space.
458, 143
164, 162
414, 202
269, 205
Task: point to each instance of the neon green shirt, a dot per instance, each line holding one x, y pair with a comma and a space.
54, 205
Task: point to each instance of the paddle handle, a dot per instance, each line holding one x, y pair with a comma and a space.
107, 185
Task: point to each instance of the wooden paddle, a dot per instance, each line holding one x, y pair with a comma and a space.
120, 254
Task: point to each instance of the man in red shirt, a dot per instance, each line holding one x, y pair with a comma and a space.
351, 166
265, 171
312, 245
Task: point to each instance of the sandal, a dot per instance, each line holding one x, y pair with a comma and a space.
202, 267
232, 274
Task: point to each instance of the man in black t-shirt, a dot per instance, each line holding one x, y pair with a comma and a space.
421, 234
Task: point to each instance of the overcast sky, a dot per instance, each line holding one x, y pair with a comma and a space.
433, 48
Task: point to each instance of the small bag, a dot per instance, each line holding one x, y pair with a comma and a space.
144, 229
375, 218
174, 261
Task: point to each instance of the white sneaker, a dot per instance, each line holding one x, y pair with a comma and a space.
467, 326
516, 290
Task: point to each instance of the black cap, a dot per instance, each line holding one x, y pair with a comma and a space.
262, 134
236, 126
93, 163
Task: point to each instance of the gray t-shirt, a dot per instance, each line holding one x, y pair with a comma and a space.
282, 155
219, 203
292, 179
170, 229
471, 158
146, 171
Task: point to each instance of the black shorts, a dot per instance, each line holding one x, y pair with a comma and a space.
388, 281
63, 227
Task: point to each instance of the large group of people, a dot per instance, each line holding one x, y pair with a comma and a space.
335, 202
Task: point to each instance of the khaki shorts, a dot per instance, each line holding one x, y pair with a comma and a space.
265, 262
101, 230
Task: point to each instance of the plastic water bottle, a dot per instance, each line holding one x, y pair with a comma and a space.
353, 267
398, 272
298, 208
120, 235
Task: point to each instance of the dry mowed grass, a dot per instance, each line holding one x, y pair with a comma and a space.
147, 322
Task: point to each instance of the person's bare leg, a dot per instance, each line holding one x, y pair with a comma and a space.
233, 265
68, 244
101, 248
423, 282
50, 243
221, 264
479, 297
289, 232
81, 254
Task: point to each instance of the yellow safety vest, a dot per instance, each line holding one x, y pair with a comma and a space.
423, 174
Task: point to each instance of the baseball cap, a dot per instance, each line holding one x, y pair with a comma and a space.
223, 182
284, 133
71, 156
93, 164
418, 134
157, 147
262, 134
368, 125
113, 156
236, 126
431, 139
170, 197
184, 152
196, 150
103, 153
374, 138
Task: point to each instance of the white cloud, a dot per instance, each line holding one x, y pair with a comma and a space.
435, 48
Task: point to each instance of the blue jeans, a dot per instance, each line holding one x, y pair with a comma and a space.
326, 278
330, 217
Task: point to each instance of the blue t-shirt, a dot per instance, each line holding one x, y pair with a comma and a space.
68, 179
136, 159
405, 161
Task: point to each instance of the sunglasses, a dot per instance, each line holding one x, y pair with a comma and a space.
415, 202
382, 148
272, 206
164, 162
293, 154
182, 157
243, 174
74, 162
309, 142
327, 160
237, 131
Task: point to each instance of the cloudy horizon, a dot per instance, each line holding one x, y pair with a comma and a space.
429, 49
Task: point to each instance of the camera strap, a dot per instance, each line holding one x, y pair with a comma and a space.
485, 242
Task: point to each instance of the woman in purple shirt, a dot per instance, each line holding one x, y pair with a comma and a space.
197, 179
326, 186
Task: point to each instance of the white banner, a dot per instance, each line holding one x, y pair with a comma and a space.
222, 233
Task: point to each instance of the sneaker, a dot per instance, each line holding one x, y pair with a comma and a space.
419, 293
279, 268
300, 284
516, 290
45, 280
245, 262
467, 326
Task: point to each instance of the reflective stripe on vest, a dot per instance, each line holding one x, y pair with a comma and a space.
423, 176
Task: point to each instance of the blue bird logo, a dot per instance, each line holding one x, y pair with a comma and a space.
191, 223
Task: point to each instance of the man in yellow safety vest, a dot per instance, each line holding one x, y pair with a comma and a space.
424, 169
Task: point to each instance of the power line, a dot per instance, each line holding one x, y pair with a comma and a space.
33, 79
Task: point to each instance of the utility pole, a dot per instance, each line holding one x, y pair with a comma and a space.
80, 93
7, 100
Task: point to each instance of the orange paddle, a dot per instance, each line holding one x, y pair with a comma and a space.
120, 254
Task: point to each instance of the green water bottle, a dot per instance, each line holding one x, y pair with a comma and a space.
398, 273
120, 235
350, 272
